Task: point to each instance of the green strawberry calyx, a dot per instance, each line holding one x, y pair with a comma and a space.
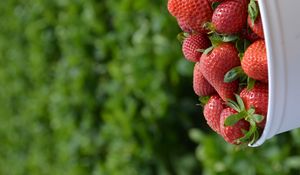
210, 27
249, 115
182, 36
253, 11
234, 74
238, 73
216, 39
242, 45
250, 83
203, 100
214, 5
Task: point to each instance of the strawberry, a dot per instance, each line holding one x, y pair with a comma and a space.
192, 44
241, 114
200, 85
212, 111
216, 64
191, 14
254, 62
232, 134
230, 16
257, 97
184, 26
257, 26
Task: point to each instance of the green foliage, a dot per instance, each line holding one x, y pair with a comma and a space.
93, 87
99, 87
279, 155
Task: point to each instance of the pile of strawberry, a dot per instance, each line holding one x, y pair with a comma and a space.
225, 39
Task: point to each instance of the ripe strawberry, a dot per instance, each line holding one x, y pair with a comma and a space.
191, 14
212, 111
230, 16
184, 26
231, 134
192, 44
254, 62
257, 27
216, 64
200, 85
257, 97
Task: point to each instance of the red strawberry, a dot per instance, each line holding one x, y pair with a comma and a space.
192, 44
200, 84
257, 27
231, 134
257, 97
216, 64
254, 62
191, 14
184, 26
230, 16
212, 111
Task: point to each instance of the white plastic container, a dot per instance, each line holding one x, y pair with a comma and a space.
281, 22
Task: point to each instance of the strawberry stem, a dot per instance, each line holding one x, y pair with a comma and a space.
250, 83
250, 134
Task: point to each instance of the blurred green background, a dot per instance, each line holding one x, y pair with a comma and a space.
98, 87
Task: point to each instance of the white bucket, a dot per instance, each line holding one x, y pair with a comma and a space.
281, 22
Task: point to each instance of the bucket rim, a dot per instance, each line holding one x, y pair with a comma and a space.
270, 14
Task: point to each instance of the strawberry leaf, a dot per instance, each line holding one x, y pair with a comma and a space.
240, 102
241, 55
209, 26
242, 45
181, 36
203, 100
233, 74
258, 118
229, 38
233, 105
250, 133
251, 111
234, 118
215, 39
243, 80
214, 5
253, 11
201, 50
250, 83
247, 43
255, 137
208, 50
